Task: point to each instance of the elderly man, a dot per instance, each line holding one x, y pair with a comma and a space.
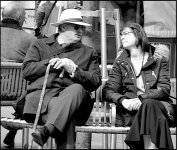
67, 101
46, 13
14, 42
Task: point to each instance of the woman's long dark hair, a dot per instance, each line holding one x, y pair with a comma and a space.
139, 32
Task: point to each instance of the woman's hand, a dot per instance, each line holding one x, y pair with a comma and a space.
127, 104
136, 104
131, 104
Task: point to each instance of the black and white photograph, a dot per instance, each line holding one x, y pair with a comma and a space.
88, 75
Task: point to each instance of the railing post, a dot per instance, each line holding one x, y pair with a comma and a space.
25, 138
103, 44
103, 61
117, 28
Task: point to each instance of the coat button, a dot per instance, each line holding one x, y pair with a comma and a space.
132, 78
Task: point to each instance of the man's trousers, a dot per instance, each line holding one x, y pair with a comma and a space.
70, 108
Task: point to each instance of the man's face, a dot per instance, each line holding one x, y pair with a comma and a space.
73, 31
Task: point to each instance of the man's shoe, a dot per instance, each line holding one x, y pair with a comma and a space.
40, 136
9, 139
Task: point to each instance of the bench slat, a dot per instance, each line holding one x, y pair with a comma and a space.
10, 123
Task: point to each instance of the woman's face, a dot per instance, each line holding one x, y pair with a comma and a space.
128, 38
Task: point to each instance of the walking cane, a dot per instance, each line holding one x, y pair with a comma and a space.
40, 103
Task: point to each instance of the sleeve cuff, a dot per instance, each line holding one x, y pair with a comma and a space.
140, 97
46, 62
73, 72
121, 99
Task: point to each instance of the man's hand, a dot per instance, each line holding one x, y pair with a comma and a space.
131, 104
65, 63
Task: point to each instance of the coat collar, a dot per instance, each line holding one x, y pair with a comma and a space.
125, 55
52, 40
10, 23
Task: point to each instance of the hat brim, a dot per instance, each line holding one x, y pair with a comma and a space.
79, 23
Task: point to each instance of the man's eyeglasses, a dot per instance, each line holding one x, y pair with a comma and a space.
125, 33
77, 27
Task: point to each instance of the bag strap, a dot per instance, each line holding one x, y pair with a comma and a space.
49, 13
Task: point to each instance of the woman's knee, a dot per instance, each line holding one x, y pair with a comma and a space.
153, 105
150, 102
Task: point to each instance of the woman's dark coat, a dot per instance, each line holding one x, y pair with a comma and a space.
122, 81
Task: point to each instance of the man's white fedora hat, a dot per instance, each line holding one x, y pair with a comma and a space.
71, 16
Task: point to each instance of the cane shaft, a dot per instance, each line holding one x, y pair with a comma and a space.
40, 103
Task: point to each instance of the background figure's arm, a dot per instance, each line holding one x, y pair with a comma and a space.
40, 14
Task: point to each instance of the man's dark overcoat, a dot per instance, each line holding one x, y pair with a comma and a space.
34, 67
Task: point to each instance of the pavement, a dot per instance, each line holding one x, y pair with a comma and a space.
95, 144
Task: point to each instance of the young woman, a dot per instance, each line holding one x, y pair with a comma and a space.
139, 84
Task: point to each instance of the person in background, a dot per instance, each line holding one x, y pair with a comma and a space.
14, 40
139, 84
46, 14
14, 43
74, 74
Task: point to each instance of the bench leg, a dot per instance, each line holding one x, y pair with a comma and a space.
113, 141
25, 138
105, 141
83, 140
125, 146
49, 143
39, 147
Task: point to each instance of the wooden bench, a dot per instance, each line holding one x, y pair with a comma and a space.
13, 85
102, 118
